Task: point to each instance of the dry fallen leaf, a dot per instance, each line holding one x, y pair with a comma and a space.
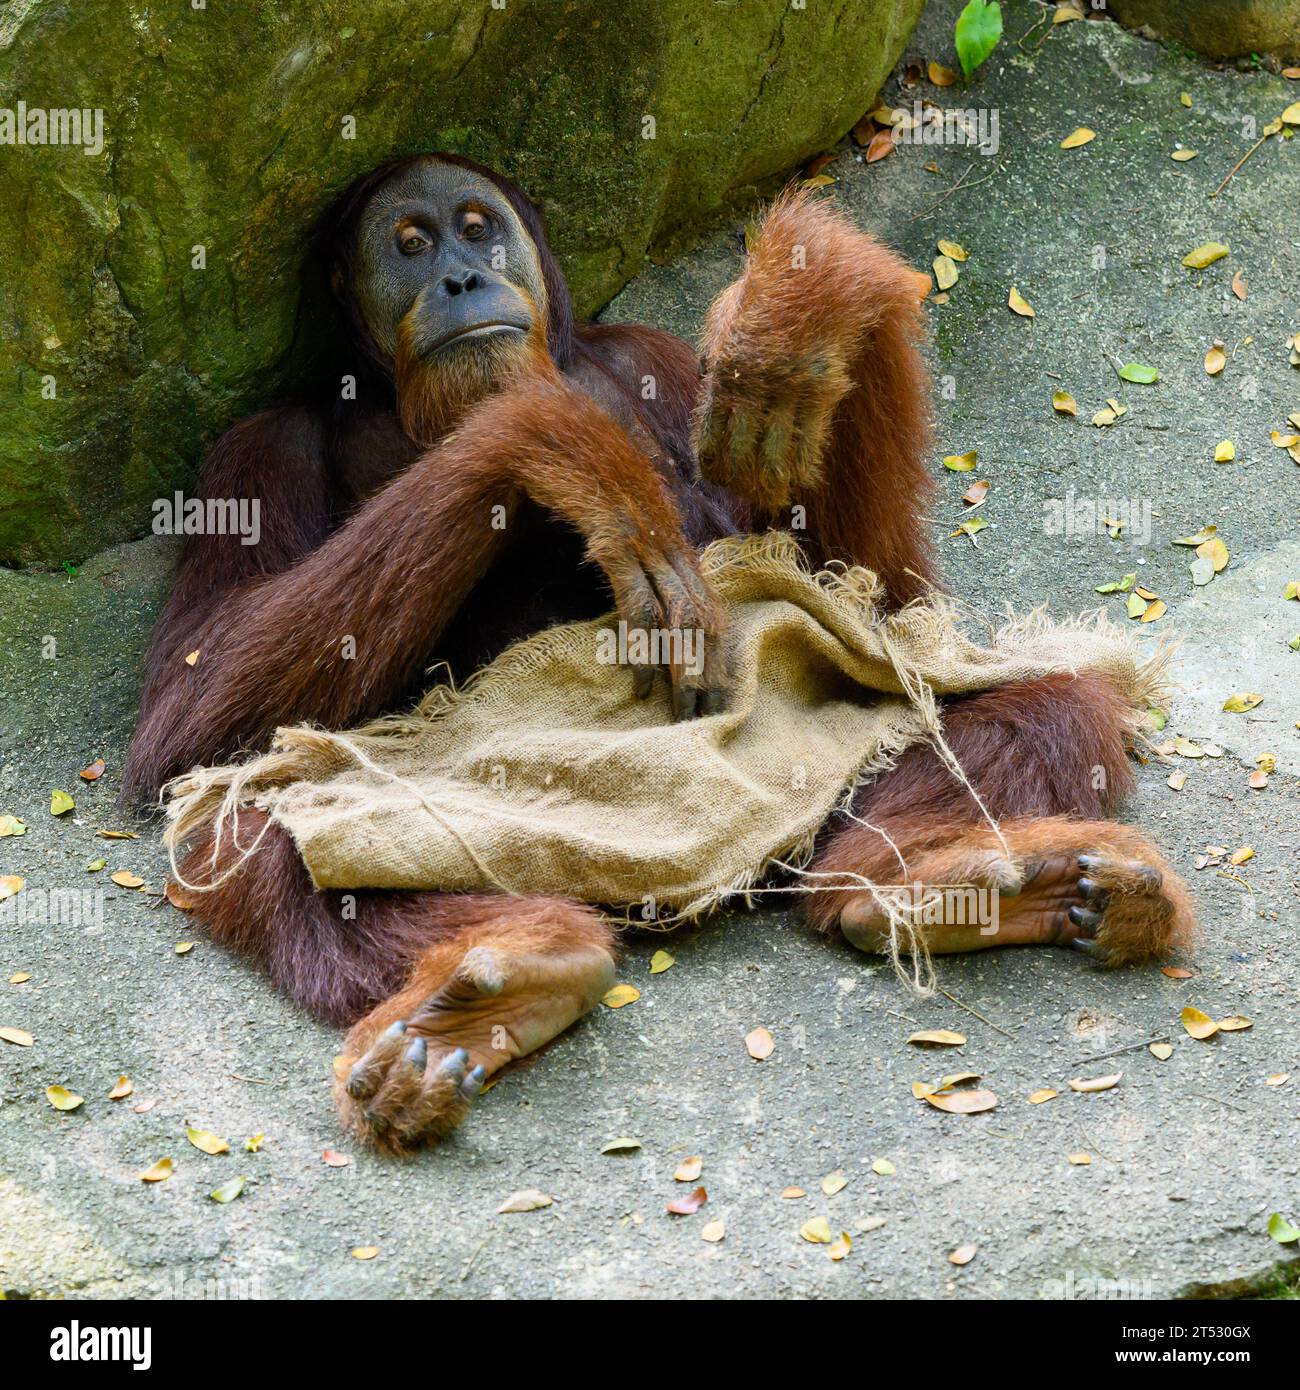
9, 885
940, 75
192, 657
1018, 304
817, 1231
1242, 855
208, 1142
60, 803
1234, 1023
19, 977
621, 995
939, 1037
1198, 1025
953, 250
713, 1232
840, 1248
791, 1194
1042, 1094
365, 1252
1081, 1160
1240, 285
20, 1037
62, 1099
1078, 137
1096, 1083
624, 1144
123, 1089
526, 1199
975, 494
661, 961
124, 878
689, 1204
689, 1169
833, 1183
1215, 360
961, 463
962, 1102
759, 1044
1161, 1051
92, 773
1279, 1078
1242, 701
963, 1254
1064, 403
334, 1159
1206, 255
160, 1172
945, 272
883, 1168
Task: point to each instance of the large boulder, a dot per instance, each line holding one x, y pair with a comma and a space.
229, 127
1221, 28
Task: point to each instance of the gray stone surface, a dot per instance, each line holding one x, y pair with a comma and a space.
1189, 1156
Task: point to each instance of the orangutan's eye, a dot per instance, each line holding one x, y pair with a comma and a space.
412, 242
474, 227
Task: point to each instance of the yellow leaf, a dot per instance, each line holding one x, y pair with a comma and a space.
621, 995
1225, 452
841, 1247
1198, 1025
713, 1232
60, 803
833, 1183
1081, 1160
882, 1167
1039, 1096
961, 463
228, 1191
1182, 156
759, 1044
160, 1172
1239, 704
9, 885
1065, 403
1018, 304
1162, 1051
365, 1252
1292, 114
20, 1037
954, 250
1156, 610
11, 825
1078, 137
1104, 417
1096, 1083
183, 948
819, 181
1176, 781
19, 978
817, 1231
963, 1255
1215, 552
62, 1099
124, 878
1065, 13
945, 272
208, 1142
689, 1169
1279, 1078
1201, 256
661, 961
793, 1193
622, 1145
940, 75
1234, 1023
1284, 441
122, 1089
1185, 98
192, 657
1215, 360
940, 1037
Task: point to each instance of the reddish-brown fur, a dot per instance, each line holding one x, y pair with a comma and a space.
809, 411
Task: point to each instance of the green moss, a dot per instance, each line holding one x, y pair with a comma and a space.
225, 129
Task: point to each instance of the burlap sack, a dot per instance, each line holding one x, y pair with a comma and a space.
545, 775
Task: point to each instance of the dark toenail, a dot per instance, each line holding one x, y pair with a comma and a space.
1090, 861
1083, 918
453, 1064
396, 1030
418, 1054
1093, 891
1086, 945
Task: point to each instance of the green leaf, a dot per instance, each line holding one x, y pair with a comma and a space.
979, 27
1281, 1229
1135, 371
228, 1191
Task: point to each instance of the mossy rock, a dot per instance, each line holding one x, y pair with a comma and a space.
1218, 28
231, 126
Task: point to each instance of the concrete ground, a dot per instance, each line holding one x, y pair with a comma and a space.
1189, 1156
